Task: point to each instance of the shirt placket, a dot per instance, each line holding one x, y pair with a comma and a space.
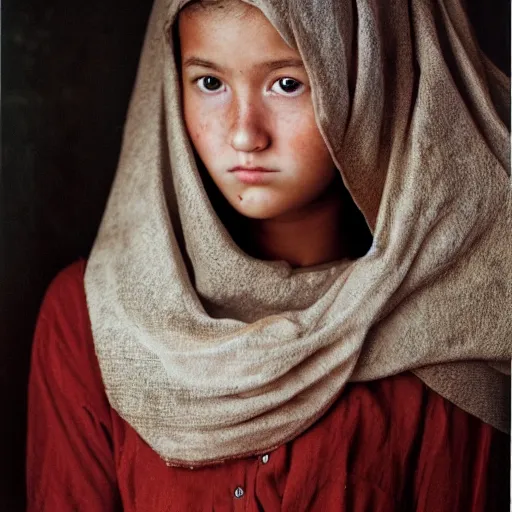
244, 496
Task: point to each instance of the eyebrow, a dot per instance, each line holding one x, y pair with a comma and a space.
269, 65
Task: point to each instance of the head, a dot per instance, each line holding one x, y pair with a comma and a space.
251, 109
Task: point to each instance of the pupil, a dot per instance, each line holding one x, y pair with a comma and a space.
289, 84
211, 83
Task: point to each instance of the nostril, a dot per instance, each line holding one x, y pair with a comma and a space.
249, 138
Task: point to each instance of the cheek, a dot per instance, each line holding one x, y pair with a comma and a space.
300, 134
197, 120
204, 133
314, 168
309, 147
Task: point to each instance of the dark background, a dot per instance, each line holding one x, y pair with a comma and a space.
67, 73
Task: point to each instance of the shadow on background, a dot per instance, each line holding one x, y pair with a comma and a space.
68, 70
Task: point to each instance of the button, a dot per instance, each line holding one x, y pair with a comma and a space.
265, 458
239, 492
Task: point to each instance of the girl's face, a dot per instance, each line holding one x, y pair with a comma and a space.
248, 111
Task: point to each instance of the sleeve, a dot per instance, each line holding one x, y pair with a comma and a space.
463, 464
70, 459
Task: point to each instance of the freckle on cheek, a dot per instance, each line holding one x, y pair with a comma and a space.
239, 197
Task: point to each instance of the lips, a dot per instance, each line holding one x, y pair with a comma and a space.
239, 168
252, 175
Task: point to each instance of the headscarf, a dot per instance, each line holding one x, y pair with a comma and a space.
211, 354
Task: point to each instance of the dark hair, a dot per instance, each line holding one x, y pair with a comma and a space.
226, 5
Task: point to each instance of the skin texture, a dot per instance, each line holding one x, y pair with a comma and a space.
243, 109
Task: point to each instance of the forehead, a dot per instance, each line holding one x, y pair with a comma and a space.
229, 31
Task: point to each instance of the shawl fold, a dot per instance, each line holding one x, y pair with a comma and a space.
211, 354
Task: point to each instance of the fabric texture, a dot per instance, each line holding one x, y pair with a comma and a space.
388, 445
211, 354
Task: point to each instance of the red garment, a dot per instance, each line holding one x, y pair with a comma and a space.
388, 445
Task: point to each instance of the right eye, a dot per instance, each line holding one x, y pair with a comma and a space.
209, 84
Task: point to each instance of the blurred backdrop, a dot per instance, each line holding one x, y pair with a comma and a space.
67, 73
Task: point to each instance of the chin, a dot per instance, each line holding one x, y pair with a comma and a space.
255, 213
265, 211
260, 203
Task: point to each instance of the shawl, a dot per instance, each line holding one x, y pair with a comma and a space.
210, 354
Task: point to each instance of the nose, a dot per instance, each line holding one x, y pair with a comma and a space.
248, 131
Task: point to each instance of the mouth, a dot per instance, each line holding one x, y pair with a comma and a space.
252, 175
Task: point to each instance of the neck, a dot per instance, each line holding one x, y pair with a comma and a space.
310, 236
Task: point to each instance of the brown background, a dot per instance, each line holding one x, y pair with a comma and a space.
67, 72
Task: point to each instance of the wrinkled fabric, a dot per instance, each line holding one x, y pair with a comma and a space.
388, 445
210, 354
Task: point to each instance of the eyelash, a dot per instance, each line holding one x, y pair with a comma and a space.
297, 92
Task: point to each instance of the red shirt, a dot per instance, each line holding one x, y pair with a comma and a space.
388, 445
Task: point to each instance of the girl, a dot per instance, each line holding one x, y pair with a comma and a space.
302, 274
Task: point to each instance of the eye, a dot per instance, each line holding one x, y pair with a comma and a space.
288, 86
209, 84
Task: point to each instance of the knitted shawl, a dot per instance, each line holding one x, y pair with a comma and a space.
211, 354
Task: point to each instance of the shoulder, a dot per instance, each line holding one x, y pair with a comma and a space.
71, 433
66, 292
404, 400
63, 344
63, 312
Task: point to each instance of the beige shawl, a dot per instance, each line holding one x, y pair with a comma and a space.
211, 354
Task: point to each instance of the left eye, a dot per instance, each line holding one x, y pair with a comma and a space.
288, 86
209, 84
